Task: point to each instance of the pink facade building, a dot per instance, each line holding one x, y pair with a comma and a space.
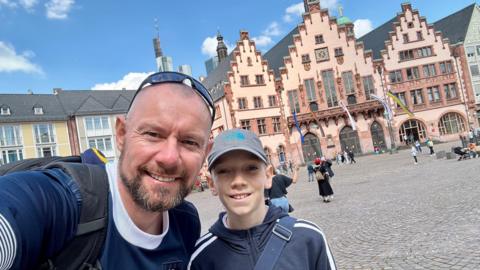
320, 65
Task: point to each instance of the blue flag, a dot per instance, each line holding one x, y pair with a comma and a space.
302, 139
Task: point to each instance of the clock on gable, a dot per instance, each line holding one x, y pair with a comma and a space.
321, 54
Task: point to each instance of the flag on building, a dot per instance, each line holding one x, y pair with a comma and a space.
302, 139
388, 110
400, 103
352, 122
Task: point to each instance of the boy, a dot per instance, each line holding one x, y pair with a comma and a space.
240, 172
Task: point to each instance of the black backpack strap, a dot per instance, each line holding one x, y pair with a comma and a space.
281, 234
84, 250
34, 163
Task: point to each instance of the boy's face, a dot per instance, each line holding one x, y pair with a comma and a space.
239, 179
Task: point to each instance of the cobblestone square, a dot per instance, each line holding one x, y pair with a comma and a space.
391, 214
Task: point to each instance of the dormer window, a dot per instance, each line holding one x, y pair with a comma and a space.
4, 110
38, 110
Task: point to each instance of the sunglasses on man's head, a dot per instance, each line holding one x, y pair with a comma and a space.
176, 77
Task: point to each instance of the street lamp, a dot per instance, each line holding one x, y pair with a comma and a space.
393, 147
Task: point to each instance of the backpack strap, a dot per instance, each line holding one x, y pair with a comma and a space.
84, 249
281, 234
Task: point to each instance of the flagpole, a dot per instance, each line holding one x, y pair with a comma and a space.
393, 147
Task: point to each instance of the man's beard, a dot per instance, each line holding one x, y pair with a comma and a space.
142, 197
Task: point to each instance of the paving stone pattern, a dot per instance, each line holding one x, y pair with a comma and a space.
391, 214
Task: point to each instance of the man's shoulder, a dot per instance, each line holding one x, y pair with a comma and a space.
185, 209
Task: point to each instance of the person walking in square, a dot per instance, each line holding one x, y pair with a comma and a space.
324, 188
311, 176
430, 146
413, 151
418, 146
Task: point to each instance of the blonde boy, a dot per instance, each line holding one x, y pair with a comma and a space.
240, 173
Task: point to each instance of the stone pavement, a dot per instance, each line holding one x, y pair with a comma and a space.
391, 214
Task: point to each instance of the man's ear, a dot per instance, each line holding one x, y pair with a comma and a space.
211, 185
269, 175
120, 131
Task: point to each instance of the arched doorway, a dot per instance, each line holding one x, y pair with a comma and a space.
349, 139
311, 148
412, 130
378, 137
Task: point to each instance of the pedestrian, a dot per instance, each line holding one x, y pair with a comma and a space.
471, 136
324, 188
277, 193
351, 156
413, 151
310, 172
346, 156
342, 157
290, 165
163, 140
430, 146
418, 146
337, 158
405, 139
328, 166
246, 236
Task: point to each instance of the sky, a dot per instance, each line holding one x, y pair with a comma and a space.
107, 44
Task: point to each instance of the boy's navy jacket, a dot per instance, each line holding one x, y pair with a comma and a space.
39, 213
223, 248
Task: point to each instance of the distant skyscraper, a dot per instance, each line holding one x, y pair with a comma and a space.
211, 64
185, 69
164, 63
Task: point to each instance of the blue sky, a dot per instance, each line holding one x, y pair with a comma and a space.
78, 45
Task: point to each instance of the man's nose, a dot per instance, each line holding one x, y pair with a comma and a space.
168, 154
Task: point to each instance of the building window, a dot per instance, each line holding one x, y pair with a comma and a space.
406, 55
293, 101
46, 151
259, 79
103, 144
424, 52
305, 58
338, 51
417, 96
412, 73
347, 78
244, 80
262, 127
419, 36
405, 38
272, 101
429, 70
245, 124
395, 76
402, 98
268, 154
4, 110
330, 91
319, 39
38, 110
97, 123
257, 102
242, 103
10, 155
368, 86
249, 61
474, 70
470, 50
446, 67
44, 133
451, 123
450, 90
10, 136
410, 24
276, 124
218, 113
433, 94
310, 89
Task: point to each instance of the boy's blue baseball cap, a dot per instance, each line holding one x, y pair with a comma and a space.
236, 139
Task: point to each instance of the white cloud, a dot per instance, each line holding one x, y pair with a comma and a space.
292, 11
28, 4
209, 46
262, 41
330, 4
131, 81
272, 30
58, 9
10, 61
361, 27
8, 3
